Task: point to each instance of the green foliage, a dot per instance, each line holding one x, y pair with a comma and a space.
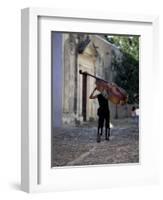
127, 68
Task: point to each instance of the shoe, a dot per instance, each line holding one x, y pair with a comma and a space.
107, 138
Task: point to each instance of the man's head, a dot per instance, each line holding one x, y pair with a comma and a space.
99, 85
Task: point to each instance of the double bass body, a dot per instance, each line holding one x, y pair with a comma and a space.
110, 91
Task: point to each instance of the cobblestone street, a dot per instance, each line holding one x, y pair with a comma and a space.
76, 145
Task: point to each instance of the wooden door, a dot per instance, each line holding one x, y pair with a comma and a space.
84, 98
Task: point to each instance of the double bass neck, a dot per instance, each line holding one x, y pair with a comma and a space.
86, 73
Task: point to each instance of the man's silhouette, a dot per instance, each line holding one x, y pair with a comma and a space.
103, 114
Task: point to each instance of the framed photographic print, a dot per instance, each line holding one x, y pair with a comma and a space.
88, 119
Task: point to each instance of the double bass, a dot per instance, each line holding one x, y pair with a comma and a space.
109, 90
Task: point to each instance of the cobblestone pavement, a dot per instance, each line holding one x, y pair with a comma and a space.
76, 145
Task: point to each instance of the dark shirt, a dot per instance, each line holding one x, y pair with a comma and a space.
103, 105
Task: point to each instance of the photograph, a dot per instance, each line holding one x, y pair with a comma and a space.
94, 99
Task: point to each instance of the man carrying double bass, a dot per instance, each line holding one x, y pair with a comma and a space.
108, 92
103, 112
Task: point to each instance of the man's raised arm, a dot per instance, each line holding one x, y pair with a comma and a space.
92, 96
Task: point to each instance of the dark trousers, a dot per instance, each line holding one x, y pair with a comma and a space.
104, 119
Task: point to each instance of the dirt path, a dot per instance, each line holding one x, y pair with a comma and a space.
78, 146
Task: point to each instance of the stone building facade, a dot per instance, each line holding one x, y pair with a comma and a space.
91, 53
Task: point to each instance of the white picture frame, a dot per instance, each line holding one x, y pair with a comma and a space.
36, 171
